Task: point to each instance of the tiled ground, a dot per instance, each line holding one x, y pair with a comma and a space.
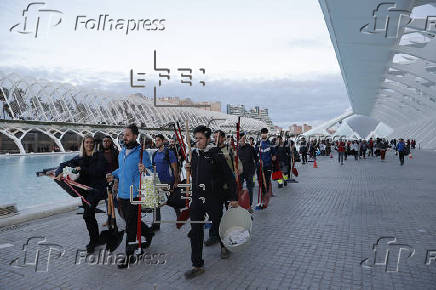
315, 234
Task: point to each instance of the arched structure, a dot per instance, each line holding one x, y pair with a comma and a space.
56, 109
387, 54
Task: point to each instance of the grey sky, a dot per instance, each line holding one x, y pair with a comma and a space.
275, 54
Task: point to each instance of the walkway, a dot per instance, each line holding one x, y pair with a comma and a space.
316, 234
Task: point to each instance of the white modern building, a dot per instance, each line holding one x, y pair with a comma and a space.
387, 54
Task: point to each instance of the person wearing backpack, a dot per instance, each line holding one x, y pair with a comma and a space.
402, 150
166, 168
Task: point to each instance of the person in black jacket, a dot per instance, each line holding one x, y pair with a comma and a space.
110, 153
303, 150
247, 155
284, 159
212, 184
92, 172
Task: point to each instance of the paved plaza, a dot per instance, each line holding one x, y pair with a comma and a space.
364, 225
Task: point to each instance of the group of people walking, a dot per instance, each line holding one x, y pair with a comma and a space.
217, 168
361, 149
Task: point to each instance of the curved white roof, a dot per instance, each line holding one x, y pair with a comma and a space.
387, 55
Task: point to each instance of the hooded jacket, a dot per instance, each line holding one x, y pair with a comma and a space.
209, 168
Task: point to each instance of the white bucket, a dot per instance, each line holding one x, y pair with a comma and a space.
235, 218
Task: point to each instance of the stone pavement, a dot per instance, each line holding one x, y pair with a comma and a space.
366, 224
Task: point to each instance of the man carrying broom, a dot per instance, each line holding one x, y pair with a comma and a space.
128, 173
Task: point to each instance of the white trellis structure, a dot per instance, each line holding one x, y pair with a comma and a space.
57, 108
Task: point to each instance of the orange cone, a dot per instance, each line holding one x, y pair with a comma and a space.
314, 164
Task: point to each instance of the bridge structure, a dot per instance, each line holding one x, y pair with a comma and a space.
57, 115
387, 54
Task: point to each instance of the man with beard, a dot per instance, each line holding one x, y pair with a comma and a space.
212, 184
128, 174
110, 153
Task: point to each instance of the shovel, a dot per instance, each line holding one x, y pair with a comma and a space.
112, 237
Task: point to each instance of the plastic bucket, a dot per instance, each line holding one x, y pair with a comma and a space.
235, 217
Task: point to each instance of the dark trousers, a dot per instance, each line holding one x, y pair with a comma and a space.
249, 183
304, 157
341, 157
267, 171
90, 221
401, 154
214, 209
130, 215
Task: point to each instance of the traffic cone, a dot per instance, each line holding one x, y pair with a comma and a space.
314, 164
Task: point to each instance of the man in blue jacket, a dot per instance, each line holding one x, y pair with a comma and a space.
401, 148
127, 174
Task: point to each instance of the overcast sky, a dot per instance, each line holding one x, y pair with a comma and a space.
275, 54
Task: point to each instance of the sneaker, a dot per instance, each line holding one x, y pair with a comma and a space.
225, 254
147, 242
125, 264
90, 248
194, 272
211, 241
